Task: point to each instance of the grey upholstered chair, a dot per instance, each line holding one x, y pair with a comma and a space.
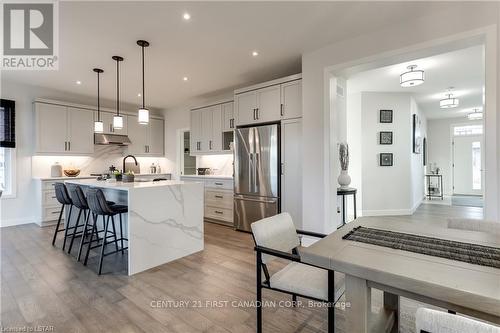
433, 321
276, 237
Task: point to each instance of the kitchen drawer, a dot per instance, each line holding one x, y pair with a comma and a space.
51, 213
222, 199
49, 198
226, 184
48, 185
219, 213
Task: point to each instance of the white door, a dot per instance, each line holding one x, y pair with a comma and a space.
156, 137
227, 116
246, 103
269, 104
138, 135
216, 144
206, 129
291, 98
52, 134
291, 169
467, 165
195, 132
80, 131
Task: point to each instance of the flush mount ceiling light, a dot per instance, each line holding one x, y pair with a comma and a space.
143, 115
98, 125
476, 115
449, 102
117, 119
412, 78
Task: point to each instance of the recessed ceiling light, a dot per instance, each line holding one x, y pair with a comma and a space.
78, 82
139, 95
186, 16
255, 53
185, 78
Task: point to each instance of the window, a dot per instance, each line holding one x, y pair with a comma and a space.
476, 165
7, 172
468, 130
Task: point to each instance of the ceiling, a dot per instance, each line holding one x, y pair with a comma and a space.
213, 49
462, 69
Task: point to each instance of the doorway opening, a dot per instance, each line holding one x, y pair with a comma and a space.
187, 162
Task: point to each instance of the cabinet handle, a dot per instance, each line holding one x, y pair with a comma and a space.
210, 144
53, 197
220, 184
281, 109
254, 117
65, 145
282, 168
69, 145
218, 212
257, 113
231, 124
219, 196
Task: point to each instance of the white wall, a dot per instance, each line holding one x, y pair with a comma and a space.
459, 18
439, 146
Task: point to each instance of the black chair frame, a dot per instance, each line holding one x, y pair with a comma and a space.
294, 256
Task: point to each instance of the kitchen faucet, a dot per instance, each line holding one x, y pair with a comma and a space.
135, 160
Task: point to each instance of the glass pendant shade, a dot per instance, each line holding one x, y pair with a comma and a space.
449, 102
412, 78
98, 127
143, 116
117, 122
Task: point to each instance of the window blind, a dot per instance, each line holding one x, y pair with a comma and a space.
7, 123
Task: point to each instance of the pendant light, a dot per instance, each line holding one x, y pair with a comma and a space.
143, 115
450, 101
411, 78
117, 119
98, 125
476, 115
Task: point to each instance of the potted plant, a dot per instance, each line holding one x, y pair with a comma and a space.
128, 177
117, 175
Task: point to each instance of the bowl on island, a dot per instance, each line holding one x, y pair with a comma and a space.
71, 172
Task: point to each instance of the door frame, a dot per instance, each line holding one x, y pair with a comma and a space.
452, 154
486, 36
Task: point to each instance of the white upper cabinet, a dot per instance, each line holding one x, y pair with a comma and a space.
246, 106
207, 128
215, 143
147, 140
80, 131
228, 116
291, 99
51, 128
156, 137
269, 102
64, 130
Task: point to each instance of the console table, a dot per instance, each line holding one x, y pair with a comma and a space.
431, 191
343, 192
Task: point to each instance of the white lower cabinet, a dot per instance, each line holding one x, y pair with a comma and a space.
291, 169
219, 195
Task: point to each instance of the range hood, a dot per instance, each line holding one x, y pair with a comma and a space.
111, 139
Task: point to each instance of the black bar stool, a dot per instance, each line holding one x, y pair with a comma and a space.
64, 199
80, 202
99, 207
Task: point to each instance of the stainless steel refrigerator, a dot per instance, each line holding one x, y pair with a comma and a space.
256, 174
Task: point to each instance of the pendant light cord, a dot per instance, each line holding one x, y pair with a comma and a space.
98, 99
143, 97
117, 87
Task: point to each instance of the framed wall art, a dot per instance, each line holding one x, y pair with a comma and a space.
385, 138
385, 116
386, 159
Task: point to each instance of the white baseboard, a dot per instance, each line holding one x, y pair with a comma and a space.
387, 212
14, 222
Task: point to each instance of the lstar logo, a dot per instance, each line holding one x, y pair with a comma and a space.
30, 35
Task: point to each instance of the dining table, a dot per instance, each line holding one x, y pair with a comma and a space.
458, 286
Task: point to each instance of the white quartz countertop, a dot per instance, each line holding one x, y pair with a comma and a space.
94, 177
121, 185
207, 176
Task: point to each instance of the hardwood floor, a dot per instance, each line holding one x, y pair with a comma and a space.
43, 286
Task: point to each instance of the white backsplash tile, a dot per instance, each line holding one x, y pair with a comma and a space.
100, 161
221, 165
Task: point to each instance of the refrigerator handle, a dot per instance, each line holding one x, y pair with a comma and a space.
256, 168
250, 166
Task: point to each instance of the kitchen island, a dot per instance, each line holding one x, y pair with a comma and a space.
164, 220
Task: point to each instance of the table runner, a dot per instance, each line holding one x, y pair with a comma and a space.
466, 252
